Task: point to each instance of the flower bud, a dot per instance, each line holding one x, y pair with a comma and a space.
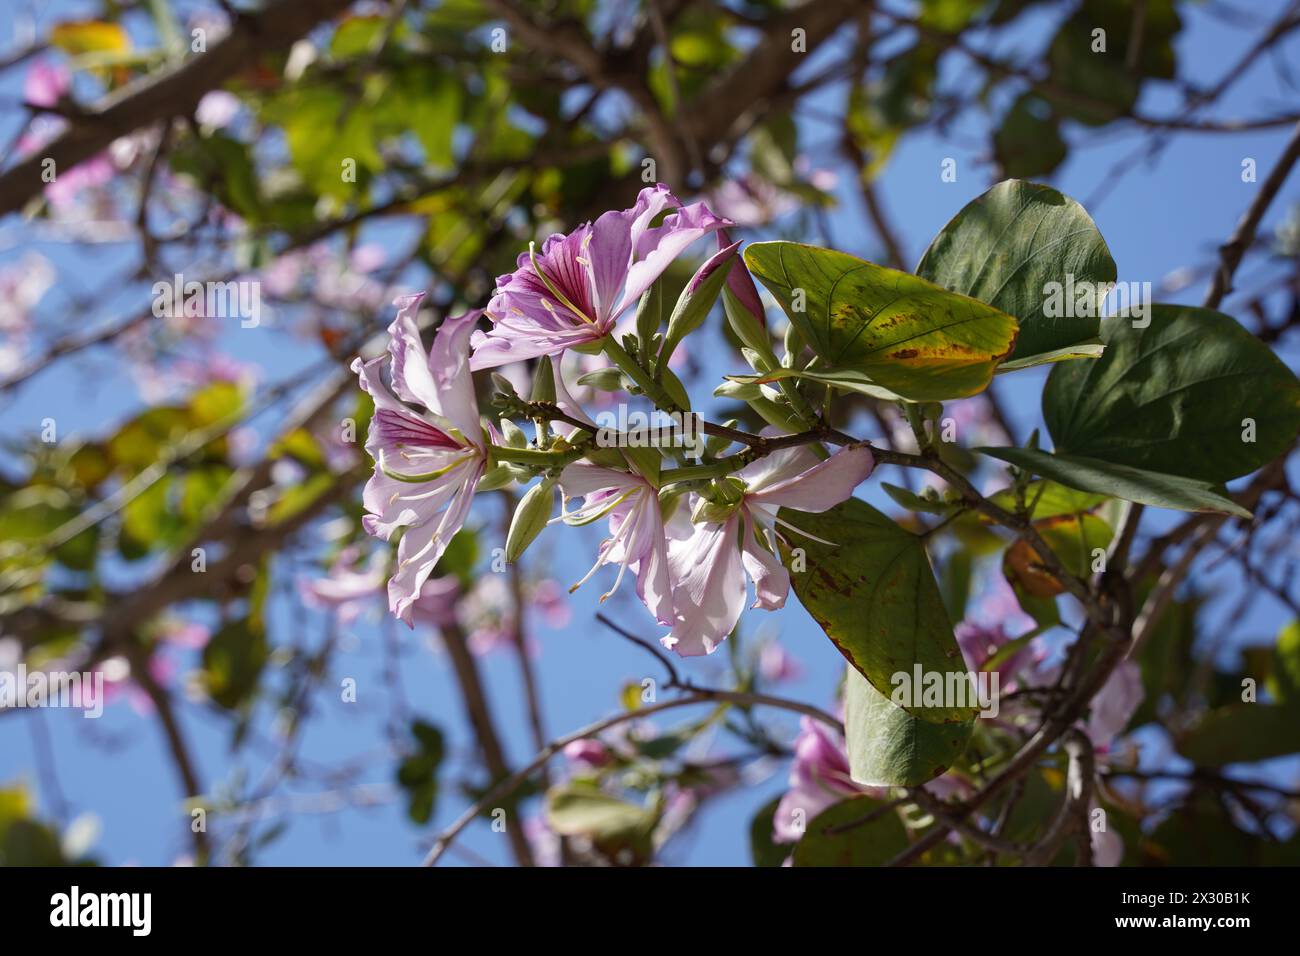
530, 517
697, 299
543, 389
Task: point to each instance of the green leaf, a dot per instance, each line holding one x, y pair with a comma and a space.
32, 513
1007, 246
1284, 679
1242, 733
299, 497
430, 105
1095, 85
90, 465
1175, 397
1048, 499
233, 661
763, 850
151, 519
905, 333
1028, 143
1091, 348
360, 35
1121, 481
417, 773
578, 809
868, 844
225, 167
28, 843
875, 596
215, 403
200, 489
889, 747
847, 379
914, 502
140, 442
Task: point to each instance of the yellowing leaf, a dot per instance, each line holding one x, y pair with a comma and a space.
904, 333
76, 37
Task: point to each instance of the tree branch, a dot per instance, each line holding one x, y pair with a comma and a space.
173, 92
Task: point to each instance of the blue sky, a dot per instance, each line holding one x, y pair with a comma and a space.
1157, 218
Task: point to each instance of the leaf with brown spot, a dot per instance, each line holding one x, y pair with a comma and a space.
874, 594
904, 333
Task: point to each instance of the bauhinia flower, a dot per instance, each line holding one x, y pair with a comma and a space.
427, 461
349, 588
819, 778
1114, 705
575, 289
734, 535
636, 523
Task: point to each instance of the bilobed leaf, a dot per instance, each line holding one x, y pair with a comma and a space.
1007, 246
905, 333
874, 594
867, 844
1173, 397
1121, 481
890, 747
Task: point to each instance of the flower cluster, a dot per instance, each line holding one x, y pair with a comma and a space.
690, 535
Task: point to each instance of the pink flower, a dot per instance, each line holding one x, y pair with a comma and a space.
119, 684
740, 283
979, 643
708, 561
575, 290
22, 285
775, 665
548, 598
1115, 704
1107, 844
96, 171
187, 634
587, 753
46, 83
348, 589
436, 605
819, 778
636, 523
427, 463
